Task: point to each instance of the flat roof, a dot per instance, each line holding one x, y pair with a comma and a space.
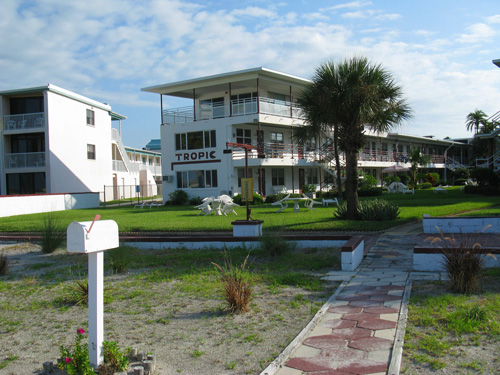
66, 93
184, 89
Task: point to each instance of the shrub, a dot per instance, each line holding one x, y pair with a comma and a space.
373, 192
178, 197
443, 183
271, 198
114, 359
273, 244
460, 182
371, 210
425, 186
195, 201
462, 173
484, 190
367, 182
257, 199
405, 179
52, 233
433, 178
308, 188
390, 179
484, 176
118, 259
236, 285
4, 264
327, 194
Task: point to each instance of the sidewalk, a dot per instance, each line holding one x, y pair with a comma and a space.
360, 330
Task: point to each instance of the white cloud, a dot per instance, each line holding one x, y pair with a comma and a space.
478, 32
254, 12
493, 19
350, 5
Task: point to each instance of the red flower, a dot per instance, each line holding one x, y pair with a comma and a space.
68, 360
81, 331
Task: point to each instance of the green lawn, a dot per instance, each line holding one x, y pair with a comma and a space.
185, 218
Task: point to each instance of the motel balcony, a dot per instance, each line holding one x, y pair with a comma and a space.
25, 160
240, 107
26, 121
268, 150
119, 166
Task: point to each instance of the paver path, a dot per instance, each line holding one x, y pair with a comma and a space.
356, 334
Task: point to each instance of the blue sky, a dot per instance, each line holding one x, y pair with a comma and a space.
440, 51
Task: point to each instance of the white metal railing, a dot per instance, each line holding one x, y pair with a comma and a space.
119, 166
239, 107
25, 160
485, 162
25, 121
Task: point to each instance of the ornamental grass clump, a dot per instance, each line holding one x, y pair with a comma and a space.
371, 210
78, 294
272, 243
118, 259
236, 285
4, 264
52, 233
463, 261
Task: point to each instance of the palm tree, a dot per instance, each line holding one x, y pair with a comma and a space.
315, 106
417, 159
356, 94
474, 119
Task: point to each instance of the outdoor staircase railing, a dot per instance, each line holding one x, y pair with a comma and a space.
492, 160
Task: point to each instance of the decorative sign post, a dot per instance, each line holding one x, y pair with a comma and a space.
92, 238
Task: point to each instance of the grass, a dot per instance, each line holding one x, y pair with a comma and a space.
443, 326
163, 285
182, 218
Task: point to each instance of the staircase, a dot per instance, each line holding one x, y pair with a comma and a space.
452, 164
327, 163
486, 162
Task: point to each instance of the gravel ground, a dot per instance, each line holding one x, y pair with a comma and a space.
187, 334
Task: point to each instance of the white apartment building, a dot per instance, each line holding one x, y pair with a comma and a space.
55, 141
257, 108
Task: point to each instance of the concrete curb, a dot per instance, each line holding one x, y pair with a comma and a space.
399, 337
277, 364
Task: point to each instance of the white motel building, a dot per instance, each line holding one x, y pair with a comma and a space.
55, 141
257, 107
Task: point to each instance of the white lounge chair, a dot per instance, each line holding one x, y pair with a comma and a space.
325, 202
283, 203
204, 209
228, 208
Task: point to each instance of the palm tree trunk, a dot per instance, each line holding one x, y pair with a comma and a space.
337, 161
352, 184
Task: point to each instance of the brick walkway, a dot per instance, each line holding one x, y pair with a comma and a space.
356, 333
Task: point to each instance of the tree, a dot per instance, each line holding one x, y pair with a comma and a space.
316, 108
474, 119
355, 94
417, 159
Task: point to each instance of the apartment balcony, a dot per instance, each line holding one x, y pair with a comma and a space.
25, 160
395, 157
240, 107
23, 122
119, 166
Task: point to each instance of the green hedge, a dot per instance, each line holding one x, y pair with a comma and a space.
483, 190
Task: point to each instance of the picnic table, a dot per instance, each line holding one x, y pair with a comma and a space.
308, 203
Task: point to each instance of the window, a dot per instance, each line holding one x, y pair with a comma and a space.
244, 136
91, 152
278, 176
385, 147
34, 142
212, 108
20, 106
90, 117
242, 174
195, 140
26, 183
312, 176
277, 145
197, 179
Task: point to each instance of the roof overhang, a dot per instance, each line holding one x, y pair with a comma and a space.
496, 62
241, 78
116, 116
417, 138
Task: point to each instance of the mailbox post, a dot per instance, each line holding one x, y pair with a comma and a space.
92, 238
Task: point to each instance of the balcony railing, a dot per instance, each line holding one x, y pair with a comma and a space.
25, 121
271, 150
25, 160
237, 107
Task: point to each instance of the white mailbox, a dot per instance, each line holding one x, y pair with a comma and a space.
92, 236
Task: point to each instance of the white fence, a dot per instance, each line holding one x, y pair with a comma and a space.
31, 204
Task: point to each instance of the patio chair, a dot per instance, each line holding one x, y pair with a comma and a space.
142, 205
228, 208
392, 188
225, 199
283, 203
204, 209
154, 204
309, 204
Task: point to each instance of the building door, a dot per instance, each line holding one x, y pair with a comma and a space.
301, 179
